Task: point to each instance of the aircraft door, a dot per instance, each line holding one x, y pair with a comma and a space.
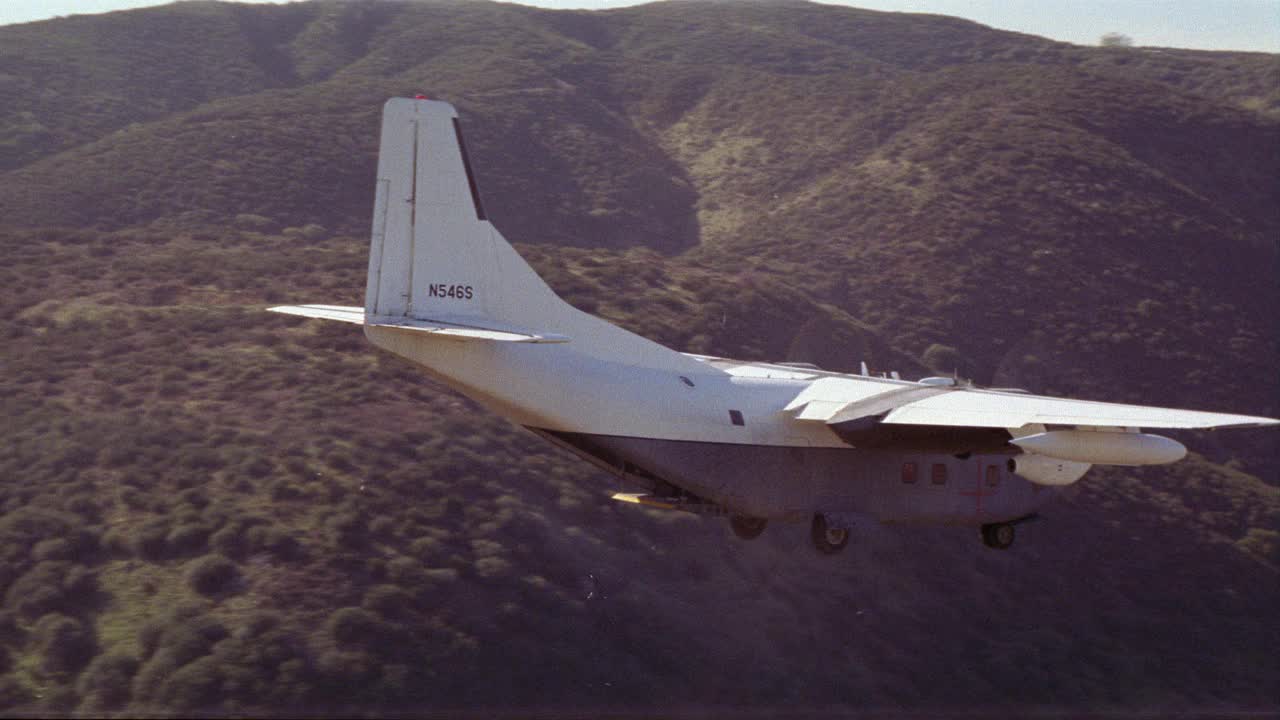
982, 491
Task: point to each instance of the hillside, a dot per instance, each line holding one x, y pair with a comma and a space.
211, 508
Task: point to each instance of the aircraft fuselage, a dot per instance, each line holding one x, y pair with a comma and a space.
722, 437
751, 440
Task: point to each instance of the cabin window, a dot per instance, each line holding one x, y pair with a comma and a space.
939, 474
908, 472
735, 417
993, 476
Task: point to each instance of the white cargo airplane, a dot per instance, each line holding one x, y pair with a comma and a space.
754, 441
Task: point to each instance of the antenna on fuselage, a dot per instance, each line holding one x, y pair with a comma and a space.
865, 372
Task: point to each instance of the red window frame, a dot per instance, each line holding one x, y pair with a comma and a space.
939, 474
909, 472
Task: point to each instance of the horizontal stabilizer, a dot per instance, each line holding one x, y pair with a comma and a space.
446, 330
324, 312
468, 331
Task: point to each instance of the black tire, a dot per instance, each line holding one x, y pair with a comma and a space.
999, 536
747, 528
828, 540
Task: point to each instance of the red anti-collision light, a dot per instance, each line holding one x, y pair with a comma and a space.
419, 97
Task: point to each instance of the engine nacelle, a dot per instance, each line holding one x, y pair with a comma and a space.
1103, 448
1043, 470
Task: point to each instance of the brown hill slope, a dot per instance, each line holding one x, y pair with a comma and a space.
925, 166
391, 547
207, 508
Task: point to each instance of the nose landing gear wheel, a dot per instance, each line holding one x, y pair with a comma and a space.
826, 539
998, 535
747, 528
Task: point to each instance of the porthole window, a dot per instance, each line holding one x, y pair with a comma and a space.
735, 417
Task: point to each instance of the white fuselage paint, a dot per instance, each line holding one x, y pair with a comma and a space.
771, 466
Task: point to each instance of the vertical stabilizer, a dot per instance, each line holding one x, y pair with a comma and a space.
434, 255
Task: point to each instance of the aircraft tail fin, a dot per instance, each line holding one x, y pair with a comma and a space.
435, 260
434, 254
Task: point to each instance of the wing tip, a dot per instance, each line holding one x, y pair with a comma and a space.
1253, 422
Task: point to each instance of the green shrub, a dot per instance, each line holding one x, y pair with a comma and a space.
187, 539
275, 540
10, 629
347, 668
283, 490
229, 541
133, 499
426, 548
492, 567
149, 680
84, 506
212, 574
149, 539
149, 637
58, 700
117, 542
406, 573
387, 601
942, 359
106, 682
1262, 543
250, 221
183, 640
194, 497
194, 686
63, 644
260, 622
13, 692
51, 586
259, 468
355, 626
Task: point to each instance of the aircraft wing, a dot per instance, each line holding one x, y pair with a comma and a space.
982, 408
839, 400
456, 330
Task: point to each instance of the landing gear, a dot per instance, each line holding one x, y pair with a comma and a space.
747, 528
826, 539
998, 535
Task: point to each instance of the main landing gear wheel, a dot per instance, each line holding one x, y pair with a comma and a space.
998, 535
747, 528
826, 539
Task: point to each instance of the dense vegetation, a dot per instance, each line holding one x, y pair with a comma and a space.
208, 508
